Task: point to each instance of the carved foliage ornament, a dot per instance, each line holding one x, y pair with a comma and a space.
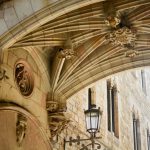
122, 36
21, 126
24, 77
112, 21
58, 118
131, 53
58, 122
67, 53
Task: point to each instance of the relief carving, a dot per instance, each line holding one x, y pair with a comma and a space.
112, 21
111, 14
66, 53
3, 75
21, 126
58, 118
131, 53
24, 78
122, 36
58, 121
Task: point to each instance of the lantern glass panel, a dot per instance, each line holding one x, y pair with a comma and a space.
92, 120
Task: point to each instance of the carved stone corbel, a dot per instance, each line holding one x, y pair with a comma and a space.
66, 53
53, 106
58, 118
58, 122
21, 126
67, 50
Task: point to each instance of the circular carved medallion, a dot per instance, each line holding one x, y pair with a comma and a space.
24, 77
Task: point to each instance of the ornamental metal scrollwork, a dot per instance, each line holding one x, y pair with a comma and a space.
24, 77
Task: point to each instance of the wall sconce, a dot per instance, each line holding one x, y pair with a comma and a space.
93, 120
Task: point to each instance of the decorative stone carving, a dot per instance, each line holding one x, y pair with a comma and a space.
58, 121
111, 14
57, 117
21, 126
3, 75
24, 77
52, 106
66, 53
112, 21
122, 36
131, 53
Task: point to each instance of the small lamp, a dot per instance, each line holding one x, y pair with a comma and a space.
93, 120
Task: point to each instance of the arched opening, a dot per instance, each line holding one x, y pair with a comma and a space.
19, 128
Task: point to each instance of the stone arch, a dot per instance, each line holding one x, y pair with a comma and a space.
8, 113
10, 92
39, 18
96, 58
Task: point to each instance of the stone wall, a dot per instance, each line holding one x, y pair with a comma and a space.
131, 99
35, 103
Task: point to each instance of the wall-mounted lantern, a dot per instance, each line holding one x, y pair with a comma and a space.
93, 121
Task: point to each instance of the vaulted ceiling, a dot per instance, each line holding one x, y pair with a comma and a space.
86, 31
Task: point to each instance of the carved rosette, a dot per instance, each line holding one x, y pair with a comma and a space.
122, 36
24, 77
21, 126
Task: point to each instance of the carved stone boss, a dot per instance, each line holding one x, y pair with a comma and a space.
121, 33
122, 36
21, 126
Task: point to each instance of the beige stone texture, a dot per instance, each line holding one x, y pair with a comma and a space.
131, 98
37, 30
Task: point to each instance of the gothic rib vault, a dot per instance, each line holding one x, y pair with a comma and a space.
81, 26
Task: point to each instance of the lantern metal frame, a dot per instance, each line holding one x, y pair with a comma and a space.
93, 144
